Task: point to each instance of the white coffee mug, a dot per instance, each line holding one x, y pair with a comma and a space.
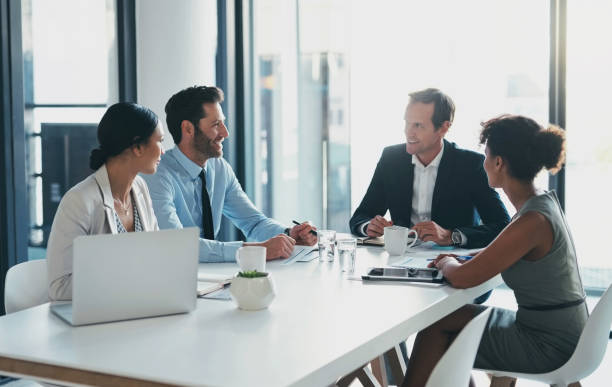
396, 239
251, 258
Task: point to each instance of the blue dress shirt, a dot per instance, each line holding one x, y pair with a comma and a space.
176, 191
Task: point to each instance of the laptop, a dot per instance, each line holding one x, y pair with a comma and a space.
132, 275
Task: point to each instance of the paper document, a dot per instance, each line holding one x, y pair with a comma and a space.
420, 256
214, 286
212, 277
302, 254
214, 290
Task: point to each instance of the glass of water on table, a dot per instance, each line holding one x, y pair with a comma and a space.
327, 243
347, 248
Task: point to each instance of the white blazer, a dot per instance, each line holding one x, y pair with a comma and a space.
87, 209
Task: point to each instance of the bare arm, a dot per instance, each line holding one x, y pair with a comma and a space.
531, 233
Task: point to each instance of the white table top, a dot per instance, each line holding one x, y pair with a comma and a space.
320, 326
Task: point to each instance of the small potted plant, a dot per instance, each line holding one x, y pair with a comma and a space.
252, 290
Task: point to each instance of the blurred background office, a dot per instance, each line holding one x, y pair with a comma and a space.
315, 89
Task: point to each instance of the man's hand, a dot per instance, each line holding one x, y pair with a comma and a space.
377, 225
280, 246
430, 231
302, 235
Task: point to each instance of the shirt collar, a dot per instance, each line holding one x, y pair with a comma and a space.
434, 163
192, 169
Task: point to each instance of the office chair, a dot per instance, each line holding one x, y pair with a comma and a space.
26, 286
587, 356
455, 366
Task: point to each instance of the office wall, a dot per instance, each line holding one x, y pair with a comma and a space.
176, 42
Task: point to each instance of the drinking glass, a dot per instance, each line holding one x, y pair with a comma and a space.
327, 243
346, 254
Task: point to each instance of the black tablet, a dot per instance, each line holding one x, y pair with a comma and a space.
409, 274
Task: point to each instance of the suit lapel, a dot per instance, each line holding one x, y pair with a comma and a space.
405, 179
445, 171
101, 177
139, 198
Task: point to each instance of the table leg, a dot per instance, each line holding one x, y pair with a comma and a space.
379, 371
396, 363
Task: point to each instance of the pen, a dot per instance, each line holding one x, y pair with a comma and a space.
313, 232
464, 257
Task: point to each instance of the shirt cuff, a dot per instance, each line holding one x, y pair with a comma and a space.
362, 228
229, 250
463, 238
215, 251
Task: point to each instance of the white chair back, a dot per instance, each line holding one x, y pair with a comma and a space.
26, 286
588, 354
592, 344
455, 366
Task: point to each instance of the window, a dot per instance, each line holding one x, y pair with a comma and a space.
70, 76
589, 137
471, 51
301, 145
332, 80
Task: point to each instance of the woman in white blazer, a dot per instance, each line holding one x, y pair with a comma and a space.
114, 199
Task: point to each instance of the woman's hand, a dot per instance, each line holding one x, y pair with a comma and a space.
443, 259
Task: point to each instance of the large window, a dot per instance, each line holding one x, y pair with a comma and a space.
301, 144
70, 76
589, 134
332, 80
470, 50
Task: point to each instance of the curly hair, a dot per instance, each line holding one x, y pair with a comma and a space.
526, 146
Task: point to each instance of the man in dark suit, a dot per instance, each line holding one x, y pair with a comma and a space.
430, 184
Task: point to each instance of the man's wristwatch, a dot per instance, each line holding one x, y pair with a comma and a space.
456, 238
288, 231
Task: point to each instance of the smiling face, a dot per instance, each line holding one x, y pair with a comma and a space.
423, 139
152, 151
210, 132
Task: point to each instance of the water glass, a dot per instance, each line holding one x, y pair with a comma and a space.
346, 253
327, 243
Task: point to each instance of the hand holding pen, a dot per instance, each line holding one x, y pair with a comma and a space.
303, 233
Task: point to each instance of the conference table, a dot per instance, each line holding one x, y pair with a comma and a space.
322, 325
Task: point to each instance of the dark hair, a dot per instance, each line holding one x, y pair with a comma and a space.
187, 105
124, 124
524, 145
444, 107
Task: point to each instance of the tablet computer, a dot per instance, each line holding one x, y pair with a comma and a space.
409, 274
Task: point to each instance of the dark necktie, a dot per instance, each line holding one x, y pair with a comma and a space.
207, 221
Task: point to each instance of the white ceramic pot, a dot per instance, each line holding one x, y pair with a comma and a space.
253, 293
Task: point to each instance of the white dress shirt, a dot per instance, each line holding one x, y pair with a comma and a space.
423, 185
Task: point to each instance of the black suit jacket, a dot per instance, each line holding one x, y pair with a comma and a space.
461, 197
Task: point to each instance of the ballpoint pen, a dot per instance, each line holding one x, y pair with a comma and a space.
212, 289
463, 257
313, 232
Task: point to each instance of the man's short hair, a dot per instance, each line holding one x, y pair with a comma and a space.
444, 107
187, 105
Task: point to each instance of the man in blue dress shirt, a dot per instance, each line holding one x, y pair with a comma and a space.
196, 121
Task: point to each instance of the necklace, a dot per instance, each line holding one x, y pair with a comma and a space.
124, 208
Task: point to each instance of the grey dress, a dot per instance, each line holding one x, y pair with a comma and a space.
542, 335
